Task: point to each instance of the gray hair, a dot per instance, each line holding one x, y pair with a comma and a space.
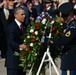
17, 9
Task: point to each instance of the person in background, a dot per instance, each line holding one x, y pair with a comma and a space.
74, 2
38, 5
49, 8
6, 18
10, 5
75, 11
25, 2
54, 4
67, 40
32, 11
1, 38
14, 32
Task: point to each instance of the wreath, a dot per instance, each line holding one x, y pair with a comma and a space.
34, 42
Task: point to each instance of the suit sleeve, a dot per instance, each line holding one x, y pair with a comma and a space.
11, 40
65, 39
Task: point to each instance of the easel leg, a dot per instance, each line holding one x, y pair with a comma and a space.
51, 62
41, 63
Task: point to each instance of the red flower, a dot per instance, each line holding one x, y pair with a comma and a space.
26, 40
53, 28
57, 32
49, 19
33, 39
28, 48
43, 69
37, 26
23, 54
33, 33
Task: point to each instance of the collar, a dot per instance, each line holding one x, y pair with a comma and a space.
5, 10
18, 23
70, 22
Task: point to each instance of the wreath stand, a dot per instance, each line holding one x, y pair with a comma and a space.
47, 53
49, 59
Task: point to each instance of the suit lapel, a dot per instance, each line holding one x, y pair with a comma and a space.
18, 27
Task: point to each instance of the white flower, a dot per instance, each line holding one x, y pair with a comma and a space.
28, 37
24, 40
21, 49
52, 22
31, 44
45, 27
42, 13
22, 59
29, 65
44, 21
35, 54
31, 30
61, 24
36, 32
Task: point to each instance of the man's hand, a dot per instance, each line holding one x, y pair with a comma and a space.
22, 46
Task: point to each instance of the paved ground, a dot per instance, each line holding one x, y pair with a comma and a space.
3, 69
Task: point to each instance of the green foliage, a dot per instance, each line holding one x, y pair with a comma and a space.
32, 39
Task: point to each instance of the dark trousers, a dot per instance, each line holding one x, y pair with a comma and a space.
68, 72
3, 46
15, 72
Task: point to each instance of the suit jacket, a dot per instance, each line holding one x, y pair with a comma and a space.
1, 35
5, 22
13, 36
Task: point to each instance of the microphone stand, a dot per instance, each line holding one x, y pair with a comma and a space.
50, 60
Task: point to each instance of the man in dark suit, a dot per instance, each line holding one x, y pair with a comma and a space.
6, 19
15, 42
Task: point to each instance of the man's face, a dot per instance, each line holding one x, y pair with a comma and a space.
5, 2
74, 1
20, 15
29, 6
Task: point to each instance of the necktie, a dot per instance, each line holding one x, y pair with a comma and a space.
21, 27
6, 14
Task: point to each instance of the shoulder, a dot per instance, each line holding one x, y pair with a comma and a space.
73, 24
73, 27
11, 25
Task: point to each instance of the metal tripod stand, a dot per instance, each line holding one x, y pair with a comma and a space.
47, 53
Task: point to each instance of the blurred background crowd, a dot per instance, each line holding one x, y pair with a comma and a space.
33, 8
